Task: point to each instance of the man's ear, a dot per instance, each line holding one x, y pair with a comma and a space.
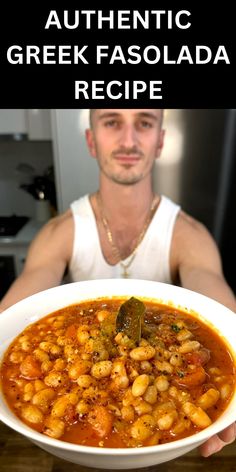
90, 142
160, 143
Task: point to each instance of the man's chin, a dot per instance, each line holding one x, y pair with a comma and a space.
123, 178
126, 181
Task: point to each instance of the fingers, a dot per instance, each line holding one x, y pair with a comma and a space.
217, 442
229, 434
213, 445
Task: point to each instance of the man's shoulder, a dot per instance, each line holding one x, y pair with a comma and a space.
192, 240
187, 226
58, 230
63, 221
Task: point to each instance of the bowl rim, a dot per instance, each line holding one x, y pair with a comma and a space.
106, 282
195, 439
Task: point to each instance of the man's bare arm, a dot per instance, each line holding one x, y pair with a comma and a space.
208, 283
199, 269
199, 262
47, 259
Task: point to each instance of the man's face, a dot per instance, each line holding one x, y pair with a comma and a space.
125, 142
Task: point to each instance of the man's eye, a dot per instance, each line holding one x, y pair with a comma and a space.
146, 124
111, 123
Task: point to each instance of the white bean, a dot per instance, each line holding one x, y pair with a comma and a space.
119, 375
161, 383
43, 398
184, 334
141, 407
101, 369
32, 414
166, 421
140, 385
164, 366
208, 399
82, 408
127, 413
196, 414
55, 379
85, 380
102, 315
143, 353
225, 391
55, 427
143, 427
83, 334
189, 346
150, 395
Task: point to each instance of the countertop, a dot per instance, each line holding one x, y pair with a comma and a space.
24, 236
18, 454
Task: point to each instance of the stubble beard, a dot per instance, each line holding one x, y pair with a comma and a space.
128, 175
120, 179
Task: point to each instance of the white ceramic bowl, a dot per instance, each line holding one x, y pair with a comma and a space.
16, 318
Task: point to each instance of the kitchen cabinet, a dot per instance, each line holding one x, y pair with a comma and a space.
12, 122
29, 124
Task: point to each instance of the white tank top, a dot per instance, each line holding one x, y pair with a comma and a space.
152, 259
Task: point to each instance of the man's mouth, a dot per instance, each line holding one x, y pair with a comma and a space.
127, 159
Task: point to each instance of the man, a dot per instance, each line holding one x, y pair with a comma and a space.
124, 229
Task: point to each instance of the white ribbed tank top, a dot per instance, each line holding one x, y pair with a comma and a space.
152, 260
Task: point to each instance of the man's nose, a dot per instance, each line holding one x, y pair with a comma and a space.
129, 136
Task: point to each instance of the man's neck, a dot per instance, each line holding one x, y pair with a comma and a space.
126, 201
125, 213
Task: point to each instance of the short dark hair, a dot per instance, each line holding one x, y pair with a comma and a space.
91, 112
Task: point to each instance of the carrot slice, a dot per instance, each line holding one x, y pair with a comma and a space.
30, 368
198, 357
71, 331
101, 421
191, 378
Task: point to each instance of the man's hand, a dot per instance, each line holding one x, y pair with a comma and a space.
217, 442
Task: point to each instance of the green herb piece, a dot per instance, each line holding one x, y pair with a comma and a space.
175, 328
180, 374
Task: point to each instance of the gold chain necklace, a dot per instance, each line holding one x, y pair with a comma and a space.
115, 250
